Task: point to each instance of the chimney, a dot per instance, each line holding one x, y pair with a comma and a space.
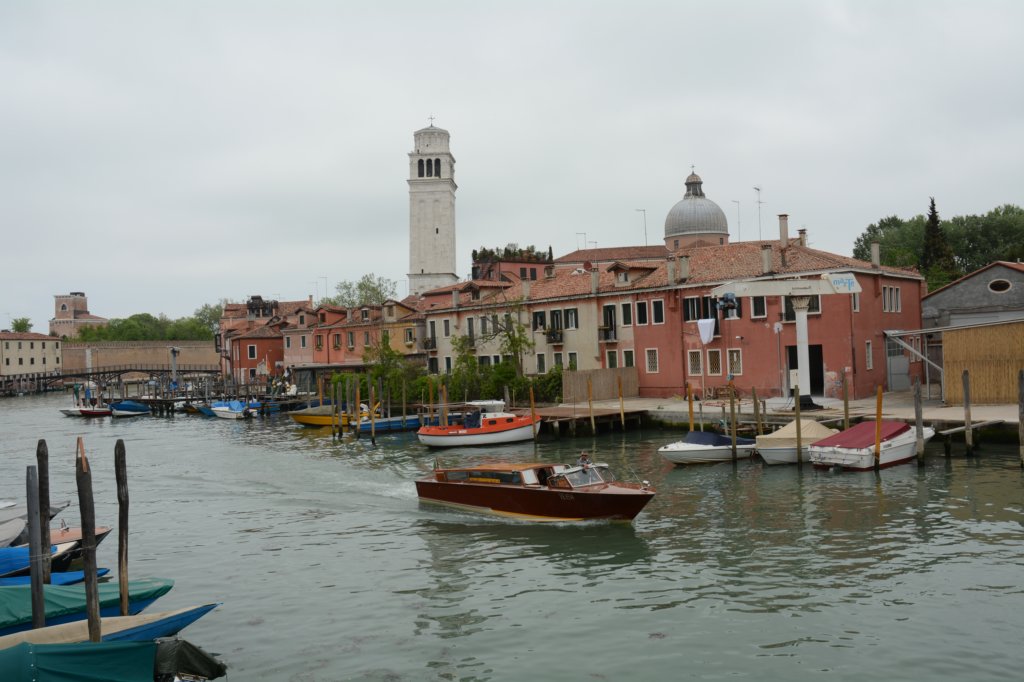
876, 258
684, 268
803, 236
455, 298
766, 259
311, 299
670, 270
595, 277
783, 230
549, 271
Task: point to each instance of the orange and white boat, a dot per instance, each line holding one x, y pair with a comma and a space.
484, 422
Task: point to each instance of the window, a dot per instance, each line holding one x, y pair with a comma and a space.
31, 361
855, 302
627, 358
409, 335
287, 342
658, 311
814, 308
612, 359
758, 307
319, 341
469, 328
533, 273
641, 312
21, 361
302, 319
891, 302
869, 360
540, 363
694, 362
735, 358
366, 338
571, 318
715, 362
627, 314
447, 326
302, 341
652, 360
608, 316
252, 372
252, 352
447, 364
323, 317
44, 360
484, 360
337, 340
691, 308
539, 320
432, 365
433, 330
351, 339
556, 319
483, 325
365, 315
558, 359
572, 360
999, 286
497, 359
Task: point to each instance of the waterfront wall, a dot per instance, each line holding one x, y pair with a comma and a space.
604, 384
80, 356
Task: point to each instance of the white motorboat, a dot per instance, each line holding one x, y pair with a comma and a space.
232, 409
854, 448
779, 447
704, 447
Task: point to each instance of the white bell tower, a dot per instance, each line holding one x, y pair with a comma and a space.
431, 211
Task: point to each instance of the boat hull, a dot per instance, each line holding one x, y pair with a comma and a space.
782, 455
455, 436
614, 502
689, 453
898, 450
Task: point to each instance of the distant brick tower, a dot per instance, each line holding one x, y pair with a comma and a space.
431, 211
71, 312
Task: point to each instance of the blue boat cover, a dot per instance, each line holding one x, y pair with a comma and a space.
14, 559
56, 578
714, 438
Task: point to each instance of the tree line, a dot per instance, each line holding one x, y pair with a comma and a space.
945, 250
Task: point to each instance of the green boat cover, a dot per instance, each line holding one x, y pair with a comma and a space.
83, 662
107, 662
16, 600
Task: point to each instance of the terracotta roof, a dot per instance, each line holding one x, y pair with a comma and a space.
26, 336
614, 253
260, 333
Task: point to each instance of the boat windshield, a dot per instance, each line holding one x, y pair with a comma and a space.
591, 475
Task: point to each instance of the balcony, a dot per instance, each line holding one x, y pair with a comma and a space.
429, 343
553, 336
606, 334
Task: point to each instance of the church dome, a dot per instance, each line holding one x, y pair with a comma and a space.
695, 214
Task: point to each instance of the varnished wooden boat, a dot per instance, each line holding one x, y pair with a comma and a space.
536, 491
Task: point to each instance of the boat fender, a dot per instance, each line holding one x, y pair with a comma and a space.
645, 485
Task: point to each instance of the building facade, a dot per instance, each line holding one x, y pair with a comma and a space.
24, 353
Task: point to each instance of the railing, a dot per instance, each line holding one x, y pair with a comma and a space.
606, 334
429, 343
553, 335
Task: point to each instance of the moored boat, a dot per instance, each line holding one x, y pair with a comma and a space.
231, 409
705, 447
67, 603
536, 491
484, 422
319, 415
14, 561
854, 448
779, 447
128, 408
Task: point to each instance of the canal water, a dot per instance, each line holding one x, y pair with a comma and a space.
328, 567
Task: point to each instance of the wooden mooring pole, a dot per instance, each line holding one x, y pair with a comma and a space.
799, 432
878, 429
590, 403
919, 421
846, 402
43, 464
533, 414
622, 405
121, 475
732, 418
689, 401
1020, 415
757, 412
83, 479
968, 430
35, 548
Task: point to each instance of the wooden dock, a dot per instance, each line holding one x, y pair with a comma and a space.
580, 420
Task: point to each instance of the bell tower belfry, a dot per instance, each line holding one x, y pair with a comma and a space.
431, 211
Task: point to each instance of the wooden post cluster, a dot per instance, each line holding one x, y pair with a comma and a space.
878, 429
35, 548
43, 464
799, 433
919, 421
968, 429
83, 479
121, 474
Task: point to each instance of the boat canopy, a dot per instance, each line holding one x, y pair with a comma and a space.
810, 431
862, 435
714, 438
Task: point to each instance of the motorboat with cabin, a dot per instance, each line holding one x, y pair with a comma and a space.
484, 422
536, 491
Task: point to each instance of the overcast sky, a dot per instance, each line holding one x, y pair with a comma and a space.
163, 155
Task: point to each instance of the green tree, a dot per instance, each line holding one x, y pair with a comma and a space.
466, 374
899, 241
513, 336
937, 262
21, 324
368, 290
209, 315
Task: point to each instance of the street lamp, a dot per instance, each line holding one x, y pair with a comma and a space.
759, 202
644, 211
